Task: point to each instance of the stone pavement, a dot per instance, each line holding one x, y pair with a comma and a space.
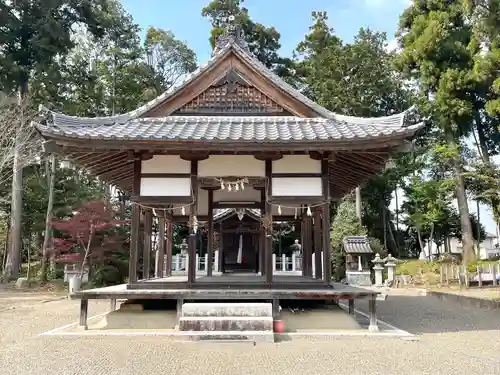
450, 339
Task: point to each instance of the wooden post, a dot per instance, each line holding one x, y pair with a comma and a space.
112, 304
169, 247
327, 253
192, 235
269, 230
307, 246
318, 243
134, 239
146, 251
222, 266
135, 223
351, 306
210, 246
84, 308
161, 246
372, 307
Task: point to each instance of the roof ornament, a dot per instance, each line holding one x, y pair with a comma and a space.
232, 34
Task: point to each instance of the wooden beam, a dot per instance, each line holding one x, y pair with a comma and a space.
219, 205
210, 246
146, 255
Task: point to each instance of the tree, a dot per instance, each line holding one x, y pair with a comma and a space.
264, 42
88, 233
168, 58
358, 79
346, 223
32, 35
436, 38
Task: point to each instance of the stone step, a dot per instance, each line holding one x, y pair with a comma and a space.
222, 324
228, 336
199, 309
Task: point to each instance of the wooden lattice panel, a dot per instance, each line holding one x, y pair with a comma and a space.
233, 98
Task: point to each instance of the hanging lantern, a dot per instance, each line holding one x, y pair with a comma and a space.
236, 187
183, 211
229, 188
295, 215
279, 210
154, 212
309, 213
222, 185
242, 185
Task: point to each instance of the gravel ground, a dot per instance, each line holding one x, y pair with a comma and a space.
451, 339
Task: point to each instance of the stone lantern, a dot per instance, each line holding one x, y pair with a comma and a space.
390, 263
378, 268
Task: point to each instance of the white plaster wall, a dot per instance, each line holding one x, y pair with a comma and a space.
231, 165
164, 187
247, 195
296, 164
166, 164
297, 186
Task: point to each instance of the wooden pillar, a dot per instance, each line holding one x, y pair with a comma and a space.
146, 251
160, 262
168, 247
269, 229
135, 223
307, 246
210, 239
318, 243
327, 253
262, 251
221, 249
192, 234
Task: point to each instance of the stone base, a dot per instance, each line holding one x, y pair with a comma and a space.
226, 324
227, 321
22, 283
131, 307
232, 336
359, 278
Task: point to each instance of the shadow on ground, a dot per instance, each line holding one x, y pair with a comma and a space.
428, 314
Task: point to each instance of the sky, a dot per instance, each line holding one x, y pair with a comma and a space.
291, 18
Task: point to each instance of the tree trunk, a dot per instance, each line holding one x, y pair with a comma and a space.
48, 217
14, 254
485, 156
463, 207
420, 242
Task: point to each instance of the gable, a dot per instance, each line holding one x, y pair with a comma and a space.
232, 87
232, 94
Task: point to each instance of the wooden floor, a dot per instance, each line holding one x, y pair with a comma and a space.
215, 288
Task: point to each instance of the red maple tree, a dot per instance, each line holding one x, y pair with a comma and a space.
87, 234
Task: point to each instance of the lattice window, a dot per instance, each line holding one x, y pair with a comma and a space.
231, 97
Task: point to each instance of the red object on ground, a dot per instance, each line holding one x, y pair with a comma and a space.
278, 326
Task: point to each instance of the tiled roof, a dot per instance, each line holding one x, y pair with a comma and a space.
228, 212
222, 128
129, 126
357, 245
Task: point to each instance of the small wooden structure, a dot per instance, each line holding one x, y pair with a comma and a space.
231, 135
358, 256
